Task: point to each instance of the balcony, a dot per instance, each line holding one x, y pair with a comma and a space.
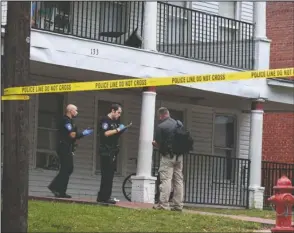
181, 31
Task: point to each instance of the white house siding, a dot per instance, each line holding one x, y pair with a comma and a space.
208, 7
212, 8
244, 135
247, 11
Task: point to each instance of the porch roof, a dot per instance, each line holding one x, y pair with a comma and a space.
177, 93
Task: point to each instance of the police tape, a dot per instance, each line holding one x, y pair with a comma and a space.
147, 82
15, 97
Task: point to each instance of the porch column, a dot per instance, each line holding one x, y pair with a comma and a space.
262, 43
143, 184
255, 155
150, 26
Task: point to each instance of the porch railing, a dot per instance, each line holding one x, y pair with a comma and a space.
109, 21
201, 36
181, 31
214, 180
271, 172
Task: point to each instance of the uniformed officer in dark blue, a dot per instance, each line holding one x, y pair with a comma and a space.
110, 130
68, 134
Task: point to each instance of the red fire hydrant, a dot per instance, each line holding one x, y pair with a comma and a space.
283, 201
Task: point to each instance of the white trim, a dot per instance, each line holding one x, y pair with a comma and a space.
280, 83
234, 149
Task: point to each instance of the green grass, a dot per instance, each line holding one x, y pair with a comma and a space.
63, 217
268, 214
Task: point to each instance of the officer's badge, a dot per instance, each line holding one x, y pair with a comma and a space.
68, 126
105, 126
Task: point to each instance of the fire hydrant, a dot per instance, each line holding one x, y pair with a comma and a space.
283, 200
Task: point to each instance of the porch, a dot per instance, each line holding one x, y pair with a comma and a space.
216, 172
181, 31
208, 115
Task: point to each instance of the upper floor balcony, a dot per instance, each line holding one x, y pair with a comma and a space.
181, 31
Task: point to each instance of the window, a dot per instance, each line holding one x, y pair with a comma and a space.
49, 113
224, 145
103, 110
177, 115
177, 28
228, 9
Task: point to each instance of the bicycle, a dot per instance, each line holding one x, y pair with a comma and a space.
128, 180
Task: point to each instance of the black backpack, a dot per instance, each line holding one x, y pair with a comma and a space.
182, 141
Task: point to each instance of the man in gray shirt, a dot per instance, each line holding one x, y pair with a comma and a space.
171, 166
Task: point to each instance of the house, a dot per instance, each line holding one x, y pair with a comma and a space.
278, 134
87, 41
278, 126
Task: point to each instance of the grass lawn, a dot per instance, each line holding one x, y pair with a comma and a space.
63, 217
268, 214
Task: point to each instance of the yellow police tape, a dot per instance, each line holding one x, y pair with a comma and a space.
15, 97
146, 82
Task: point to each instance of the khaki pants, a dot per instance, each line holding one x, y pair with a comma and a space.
171, 177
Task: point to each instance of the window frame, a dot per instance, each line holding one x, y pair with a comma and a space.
183, 19
236, 13
230, 178
37, 128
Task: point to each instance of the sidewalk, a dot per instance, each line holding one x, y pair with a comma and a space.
133, 205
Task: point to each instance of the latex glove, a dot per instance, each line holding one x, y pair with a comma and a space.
122, 128
87, 132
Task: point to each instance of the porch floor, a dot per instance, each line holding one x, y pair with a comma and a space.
133, 205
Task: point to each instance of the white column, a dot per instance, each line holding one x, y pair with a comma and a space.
143, 184
146, 133
259, 18
255, 154
150, 26
262, 44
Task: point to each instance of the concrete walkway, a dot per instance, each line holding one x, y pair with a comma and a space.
133, 205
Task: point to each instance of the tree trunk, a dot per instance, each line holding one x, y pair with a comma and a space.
16, 119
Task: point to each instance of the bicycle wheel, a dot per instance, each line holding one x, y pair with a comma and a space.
127, 187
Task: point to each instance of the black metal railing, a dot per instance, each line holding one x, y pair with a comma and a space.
214, 180
181, 31
109, 21
198, 35
271, 172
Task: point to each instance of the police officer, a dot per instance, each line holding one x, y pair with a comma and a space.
171, 166
110, 130
68, 134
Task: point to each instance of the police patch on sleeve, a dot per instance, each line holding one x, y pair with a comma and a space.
68, 126
104, 126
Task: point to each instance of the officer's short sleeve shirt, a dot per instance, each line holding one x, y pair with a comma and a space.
107, 124
66, 127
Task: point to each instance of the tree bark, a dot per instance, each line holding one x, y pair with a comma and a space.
16, 119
